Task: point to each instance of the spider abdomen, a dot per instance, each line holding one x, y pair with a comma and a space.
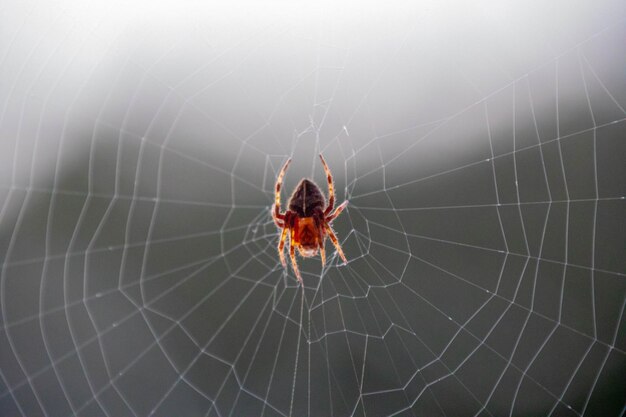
307, 199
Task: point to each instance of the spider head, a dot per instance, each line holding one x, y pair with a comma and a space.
308, 236
308, 251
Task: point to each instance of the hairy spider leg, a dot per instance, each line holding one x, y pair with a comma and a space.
322, 250
279, 183
292, 255
337, 212
281, 247
331, 187
332, 236
278, 222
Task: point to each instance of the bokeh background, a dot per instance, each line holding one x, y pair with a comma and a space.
481, 146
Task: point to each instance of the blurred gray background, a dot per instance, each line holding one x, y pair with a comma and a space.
481, 146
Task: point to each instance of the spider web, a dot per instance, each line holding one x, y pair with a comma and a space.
481, 150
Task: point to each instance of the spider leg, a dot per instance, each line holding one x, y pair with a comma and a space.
279, 219
331, 187
337, 212
321, 239
281, 247
332, 236
279, 183
292, 254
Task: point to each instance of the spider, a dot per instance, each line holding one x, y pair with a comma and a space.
307, 219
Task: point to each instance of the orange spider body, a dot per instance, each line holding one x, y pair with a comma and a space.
307, 219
